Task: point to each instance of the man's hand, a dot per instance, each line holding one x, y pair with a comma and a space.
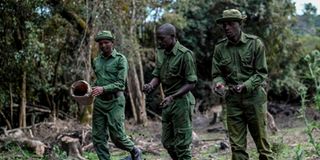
168, 100
219, 89
239, 88
96, 91
147, 88
219, 86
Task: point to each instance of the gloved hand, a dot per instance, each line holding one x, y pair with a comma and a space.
147, 88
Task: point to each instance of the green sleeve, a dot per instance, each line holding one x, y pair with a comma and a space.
156, 71
120, 83
216, 72
190, 68
260, 66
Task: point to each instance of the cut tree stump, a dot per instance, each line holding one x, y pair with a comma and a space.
72, 147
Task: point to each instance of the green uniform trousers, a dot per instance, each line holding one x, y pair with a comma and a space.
177, 128
248, 110
108, 117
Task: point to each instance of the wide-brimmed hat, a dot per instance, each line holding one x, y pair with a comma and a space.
104, 35
231, 15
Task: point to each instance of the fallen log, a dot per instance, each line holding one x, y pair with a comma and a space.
32, 145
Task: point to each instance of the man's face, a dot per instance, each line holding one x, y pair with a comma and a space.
164, 41
232, 30
106, 46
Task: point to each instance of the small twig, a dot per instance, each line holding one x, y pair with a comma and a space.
212, 139
153, 113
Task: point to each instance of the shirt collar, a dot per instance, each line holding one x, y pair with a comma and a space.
175, 48
113, 54
243, 39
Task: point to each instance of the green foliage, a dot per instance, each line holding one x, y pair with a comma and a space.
176, 19
90, 155
313, 61
33, 51
16, 152
278, 147
59, 154
299, 153
309, 9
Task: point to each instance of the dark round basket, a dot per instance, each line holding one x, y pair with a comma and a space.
81, 92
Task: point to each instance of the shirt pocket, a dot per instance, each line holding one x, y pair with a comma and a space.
111, 69
247, 61
98, 68
225, 61
225, 66
174, 71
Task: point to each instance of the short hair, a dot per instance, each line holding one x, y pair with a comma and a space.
167, 29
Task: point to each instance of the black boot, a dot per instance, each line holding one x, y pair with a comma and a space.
135, 154
173, 155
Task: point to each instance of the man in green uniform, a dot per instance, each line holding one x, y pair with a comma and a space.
175, 70
111, 70
239, 65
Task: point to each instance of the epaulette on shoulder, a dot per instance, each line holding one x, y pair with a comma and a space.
222, 40
252, 36
183, 49
120, 55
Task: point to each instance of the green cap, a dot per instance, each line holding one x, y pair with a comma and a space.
231, 15
104, 35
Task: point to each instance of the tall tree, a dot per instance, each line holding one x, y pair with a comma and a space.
21, 46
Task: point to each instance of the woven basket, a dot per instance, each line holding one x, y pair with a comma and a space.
81, 92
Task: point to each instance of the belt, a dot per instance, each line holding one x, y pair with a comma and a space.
110, 95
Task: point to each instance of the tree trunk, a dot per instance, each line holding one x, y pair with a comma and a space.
86, 45
135, 77
11, 104
132, 102
137, 99
23, 102
86, 49
143, 114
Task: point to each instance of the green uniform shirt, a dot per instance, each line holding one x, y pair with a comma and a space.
175, 69
111, 72
244, 62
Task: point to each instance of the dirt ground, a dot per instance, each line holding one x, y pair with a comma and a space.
210, 141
